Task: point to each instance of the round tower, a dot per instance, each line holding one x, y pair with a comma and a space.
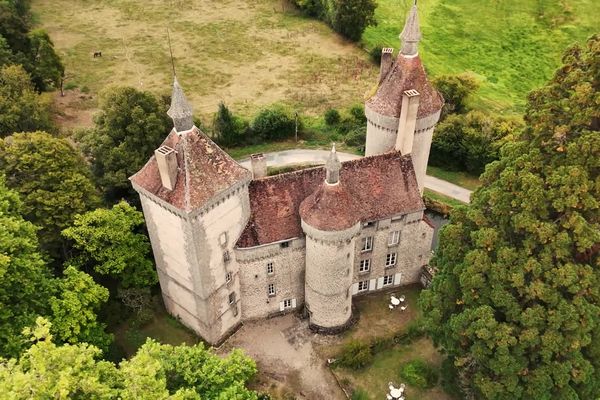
330, 226
386, 127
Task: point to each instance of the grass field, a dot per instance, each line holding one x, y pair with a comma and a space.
457, 177
511, 46
247, 53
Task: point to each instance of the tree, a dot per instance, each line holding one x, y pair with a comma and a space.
21, 108
155, 372
74, 318
273, 124
517, 297
229, 130
45, 66
111, 242
14, 24
130, 126
455, 89
25, 283
52, 180
352, 17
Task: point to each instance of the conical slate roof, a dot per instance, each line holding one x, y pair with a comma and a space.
180, 110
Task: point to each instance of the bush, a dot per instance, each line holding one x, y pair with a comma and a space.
358, 113
332, 116
359, 394
456, 89
356, 137
375, 54
449, 378
419, 374
355, 355
229, 130
273, 124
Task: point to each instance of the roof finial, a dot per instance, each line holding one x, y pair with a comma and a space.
180, 110
411, 34
332, 167
171, 52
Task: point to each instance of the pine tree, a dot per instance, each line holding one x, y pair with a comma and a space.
516, 302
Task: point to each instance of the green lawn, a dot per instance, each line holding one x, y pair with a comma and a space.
459, 178
512, 46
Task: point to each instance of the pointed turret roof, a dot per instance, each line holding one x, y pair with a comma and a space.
180, 110
411, 34
333, 166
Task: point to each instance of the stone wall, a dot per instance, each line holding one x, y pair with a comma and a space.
328, 280
287, 278
412, 251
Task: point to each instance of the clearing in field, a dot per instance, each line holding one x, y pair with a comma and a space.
511, 46
247, 53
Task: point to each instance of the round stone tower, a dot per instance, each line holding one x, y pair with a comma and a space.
330, 226
405, 109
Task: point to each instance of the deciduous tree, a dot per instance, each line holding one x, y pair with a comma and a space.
112, 242
130, 126
517, 297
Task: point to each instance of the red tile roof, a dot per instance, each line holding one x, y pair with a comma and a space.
371, 188
204, 171
407, 73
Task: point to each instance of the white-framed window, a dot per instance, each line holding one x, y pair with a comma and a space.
363, 285
270, 268
231, 297
367, 243
390, 260
223, 239
228, 277
394, 238
271, 289
365, 265
388, 280
287, 303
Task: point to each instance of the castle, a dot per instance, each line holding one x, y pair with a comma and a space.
233, 245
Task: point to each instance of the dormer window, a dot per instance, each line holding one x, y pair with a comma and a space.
369, 224
284, 245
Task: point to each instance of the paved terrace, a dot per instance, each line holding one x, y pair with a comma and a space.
307, 156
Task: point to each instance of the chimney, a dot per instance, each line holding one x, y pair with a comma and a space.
408, 121
166, 158
259, 165
386, 62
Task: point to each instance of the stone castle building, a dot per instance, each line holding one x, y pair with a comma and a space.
233, 245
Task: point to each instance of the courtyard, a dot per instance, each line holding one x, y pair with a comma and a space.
292, 360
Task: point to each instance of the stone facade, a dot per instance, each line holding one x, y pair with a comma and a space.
232, 246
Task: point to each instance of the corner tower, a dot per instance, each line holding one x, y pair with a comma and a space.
405, 108
329, 231
195, 202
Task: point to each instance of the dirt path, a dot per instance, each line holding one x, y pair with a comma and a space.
284, 350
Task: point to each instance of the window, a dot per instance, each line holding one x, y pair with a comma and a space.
388, 280
270, 269
363, 285
231, 297
271, 289
367, 243
394, 238
226, 256
287, 303
369, 224
223, 239
365, 265
390, 260
228, 277
284, 245
398, 218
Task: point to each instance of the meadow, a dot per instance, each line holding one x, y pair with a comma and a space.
246, 53
510, 46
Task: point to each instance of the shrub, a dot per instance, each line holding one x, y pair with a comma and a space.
332, 116
359, 394
351, 17
449, 378
355, 355
418, 373
356, 137
228, 130
375, 54
358, 113
273, 124
456, 89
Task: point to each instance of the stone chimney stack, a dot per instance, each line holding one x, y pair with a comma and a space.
407, 121
259, 165
166, 158
386, 62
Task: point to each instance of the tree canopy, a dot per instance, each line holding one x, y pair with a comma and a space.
157, 371
112, 242
516, 301
52, 180
129, 127
21, 108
